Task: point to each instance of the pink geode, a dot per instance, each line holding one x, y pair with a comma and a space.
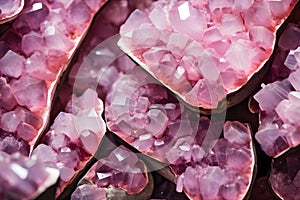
24, 178
10, 9
74, 136
35, 51
121, 169
203, 50
149, 118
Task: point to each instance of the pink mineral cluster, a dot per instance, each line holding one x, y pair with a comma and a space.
10, 9
203, 50
121, 169
74, 136
279, 105
285, 176
148, 117
24, 178
35, 51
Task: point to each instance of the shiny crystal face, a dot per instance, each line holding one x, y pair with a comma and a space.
96, 98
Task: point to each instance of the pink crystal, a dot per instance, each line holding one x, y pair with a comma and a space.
290, 38
79, 13
90, 141
272, 94
121, 169
7, 100
89, 192
35, 96
66, 173
25, 177
197, 42
64, 123
284, 176
231, 24
10, 121
9, 144
26, 131
36, 66
9, 10
185, 19
12, 64
32, 42
262, 36
42, 150
32, 17
70, 157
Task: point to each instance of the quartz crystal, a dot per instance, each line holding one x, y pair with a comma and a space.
23, 178
191, 46
10, 9
122, 169
155, 68
285, 176
35, 51
145, 115
74, 136
279, 105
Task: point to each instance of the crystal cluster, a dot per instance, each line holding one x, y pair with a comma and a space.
100, 61
34, 53
203, 50
74, 136
121, 169
148, 117
279, 105
89, 192
142, 112
225, 172
285, 176
9, 9
24, 178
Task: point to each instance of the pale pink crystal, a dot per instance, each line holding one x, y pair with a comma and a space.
34, 53
24, 178
197, 42
121, 169
89, 192
74, 137
32, 42
30, 92
10, 9
177, 140
280, 117
12, 64
7, 99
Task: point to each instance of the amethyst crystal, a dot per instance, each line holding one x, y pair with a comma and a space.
199, 50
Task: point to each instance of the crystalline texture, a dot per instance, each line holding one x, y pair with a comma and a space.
221, 36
